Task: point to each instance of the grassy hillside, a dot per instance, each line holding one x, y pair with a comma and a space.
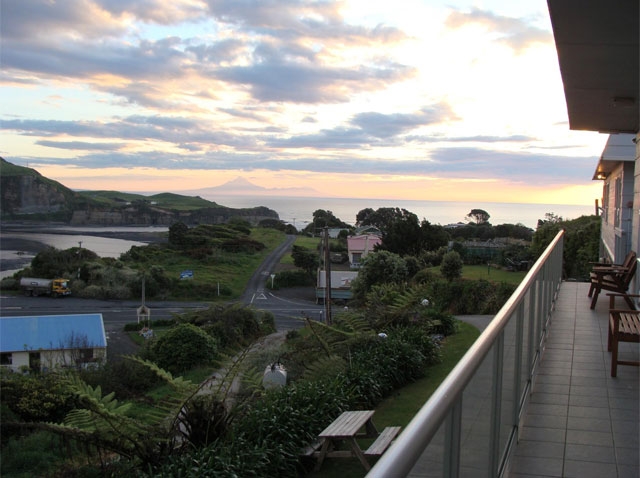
176, 202
8, 169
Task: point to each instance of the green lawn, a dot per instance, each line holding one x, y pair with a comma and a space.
493, 274
402, 406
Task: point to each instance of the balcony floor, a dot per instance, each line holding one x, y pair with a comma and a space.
581, 422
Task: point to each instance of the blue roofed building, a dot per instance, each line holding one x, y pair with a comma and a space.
47, 342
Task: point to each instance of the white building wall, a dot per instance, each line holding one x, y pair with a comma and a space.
50, 359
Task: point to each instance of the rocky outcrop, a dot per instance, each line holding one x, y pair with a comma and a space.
31, 195
159, 217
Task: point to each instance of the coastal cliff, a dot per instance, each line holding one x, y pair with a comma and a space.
27, 196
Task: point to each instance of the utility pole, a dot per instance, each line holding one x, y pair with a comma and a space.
327, 281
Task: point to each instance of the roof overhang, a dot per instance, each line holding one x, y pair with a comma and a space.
597, 44
619, 148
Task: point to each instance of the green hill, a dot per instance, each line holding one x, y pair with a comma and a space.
173, 201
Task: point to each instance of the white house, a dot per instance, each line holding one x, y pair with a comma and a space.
46, 342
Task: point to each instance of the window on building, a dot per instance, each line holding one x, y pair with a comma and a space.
618, 202
86, 355
34, 360
6, 359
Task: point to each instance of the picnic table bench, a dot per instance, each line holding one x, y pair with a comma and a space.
347, 427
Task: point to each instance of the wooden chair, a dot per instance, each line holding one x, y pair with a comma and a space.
624, 326
629, 258
613, 279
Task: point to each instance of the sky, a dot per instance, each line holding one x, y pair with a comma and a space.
409, 99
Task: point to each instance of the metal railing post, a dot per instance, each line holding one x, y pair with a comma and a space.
451, 465
496, 405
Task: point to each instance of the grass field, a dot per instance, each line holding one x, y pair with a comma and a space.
493, 274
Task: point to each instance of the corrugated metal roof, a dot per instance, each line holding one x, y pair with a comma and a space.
47, 332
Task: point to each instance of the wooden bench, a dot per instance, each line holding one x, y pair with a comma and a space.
383, 441
624, 326
311, 448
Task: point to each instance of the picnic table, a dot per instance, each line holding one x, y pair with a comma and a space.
347, 427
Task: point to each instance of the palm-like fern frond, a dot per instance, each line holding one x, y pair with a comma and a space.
319, 368
408, 299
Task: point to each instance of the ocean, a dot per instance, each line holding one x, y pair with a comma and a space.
299, 210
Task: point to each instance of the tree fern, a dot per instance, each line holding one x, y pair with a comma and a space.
319, 369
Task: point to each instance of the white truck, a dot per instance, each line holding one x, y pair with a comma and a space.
53, 287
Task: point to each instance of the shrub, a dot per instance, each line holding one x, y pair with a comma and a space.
469, 296
128, 379
292, 278
392, 361
36, 397
451, 267
184, 347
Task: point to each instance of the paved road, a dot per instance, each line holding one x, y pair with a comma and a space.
288, 306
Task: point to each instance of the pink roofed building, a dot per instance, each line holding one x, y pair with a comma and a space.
360, 246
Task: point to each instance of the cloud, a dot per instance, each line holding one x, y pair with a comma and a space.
516, 33
81, 145
528, 168
283, 51
387, 125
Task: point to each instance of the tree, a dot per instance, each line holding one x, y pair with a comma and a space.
379, 268
581, 243
322, 219
480, 216
305, 259
451, 267
401, 233
382, 218
433, 236
178, 233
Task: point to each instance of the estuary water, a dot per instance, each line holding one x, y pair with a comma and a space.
18, 244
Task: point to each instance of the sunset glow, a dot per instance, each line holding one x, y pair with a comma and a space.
436, 100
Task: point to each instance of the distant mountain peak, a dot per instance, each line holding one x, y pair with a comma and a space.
242, 186
240, 183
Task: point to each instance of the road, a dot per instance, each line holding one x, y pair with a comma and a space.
287, 309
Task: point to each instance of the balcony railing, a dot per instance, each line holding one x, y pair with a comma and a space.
468, 426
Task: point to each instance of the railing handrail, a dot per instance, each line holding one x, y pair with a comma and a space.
400, 458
